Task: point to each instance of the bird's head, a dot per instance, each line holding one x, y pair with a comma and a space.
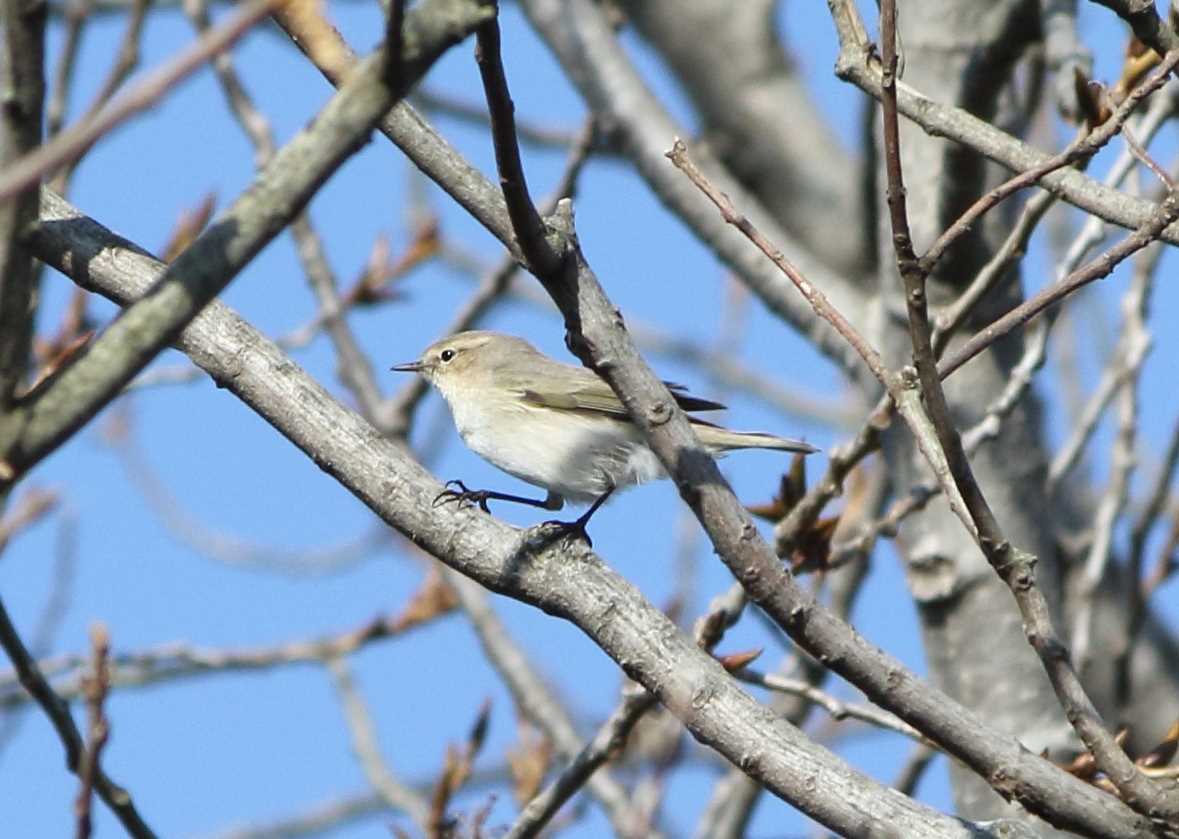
466, 360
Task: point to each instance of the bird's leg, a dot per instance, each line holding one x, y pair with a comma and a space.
577, 528
468, 497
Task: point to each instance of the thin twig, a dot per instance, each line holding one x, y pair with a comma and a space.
76, 14
837, 708
115, 797
432, 101
169, 662
355, 371
96, 685
818, 301
914, 768
126, 60
74, 141
1014, 566
397, 795
1096, 269
1080, 150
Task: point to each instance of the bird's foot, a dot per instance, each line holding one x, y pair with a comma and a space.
555, 530
462, 496
576, 529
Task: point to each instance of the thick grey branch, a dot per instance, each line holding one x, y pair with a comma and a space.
568, 580
56, 411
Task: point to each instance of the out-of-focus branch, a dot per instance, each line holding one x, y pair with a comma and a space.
587, 46
914, 768
180, 661
597, 335
33, 506
608, 741
58, 711
763, 120
436, 102
354, 369
1064, 52
75, 15
397, 795
533, 697
856, 65
126, 60
74, 141
96, 684
22, 58
65, 403
567, 580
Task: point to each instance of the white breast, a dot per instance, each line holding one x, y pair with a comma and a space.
576, 455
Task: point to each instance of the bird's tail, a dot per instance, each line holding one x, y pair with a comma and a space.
723, 440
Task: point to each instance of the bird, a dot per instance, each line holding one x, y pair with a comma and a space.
553, 425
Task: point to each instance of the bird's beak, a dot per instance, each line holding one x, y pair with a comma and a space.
408, 367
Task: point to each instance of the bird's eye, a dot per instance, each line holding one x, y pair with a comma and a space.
446, 355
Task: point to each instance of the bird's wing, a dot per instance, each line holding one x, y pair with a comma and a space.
593, 394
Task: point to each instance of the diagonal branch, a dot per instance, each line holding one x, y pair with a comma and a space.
856, 64
571, 582
74, 141
58, 711
54, 412
598, 336
1014, 566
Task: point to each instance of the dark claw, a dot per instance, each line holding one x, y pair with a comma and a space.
465, 497
567, 530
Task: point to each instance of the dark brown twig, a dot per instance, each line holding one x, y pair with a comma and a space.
1078, 152
58, 711
678, 154
530, 230
96, 685
1014, 566
1097, 268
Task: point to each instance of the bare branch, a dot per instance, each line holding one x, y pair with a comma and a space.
20, 133
64, 404
115, 797
569, 581
856, 65
96, 685
180, 661
1098, 268
74, 141
596, 334
397, 795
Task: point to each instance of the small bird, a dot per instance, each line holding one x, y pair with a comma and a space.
556, 426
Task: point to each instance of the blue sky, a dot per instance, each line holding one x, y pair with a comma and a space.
205, 754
